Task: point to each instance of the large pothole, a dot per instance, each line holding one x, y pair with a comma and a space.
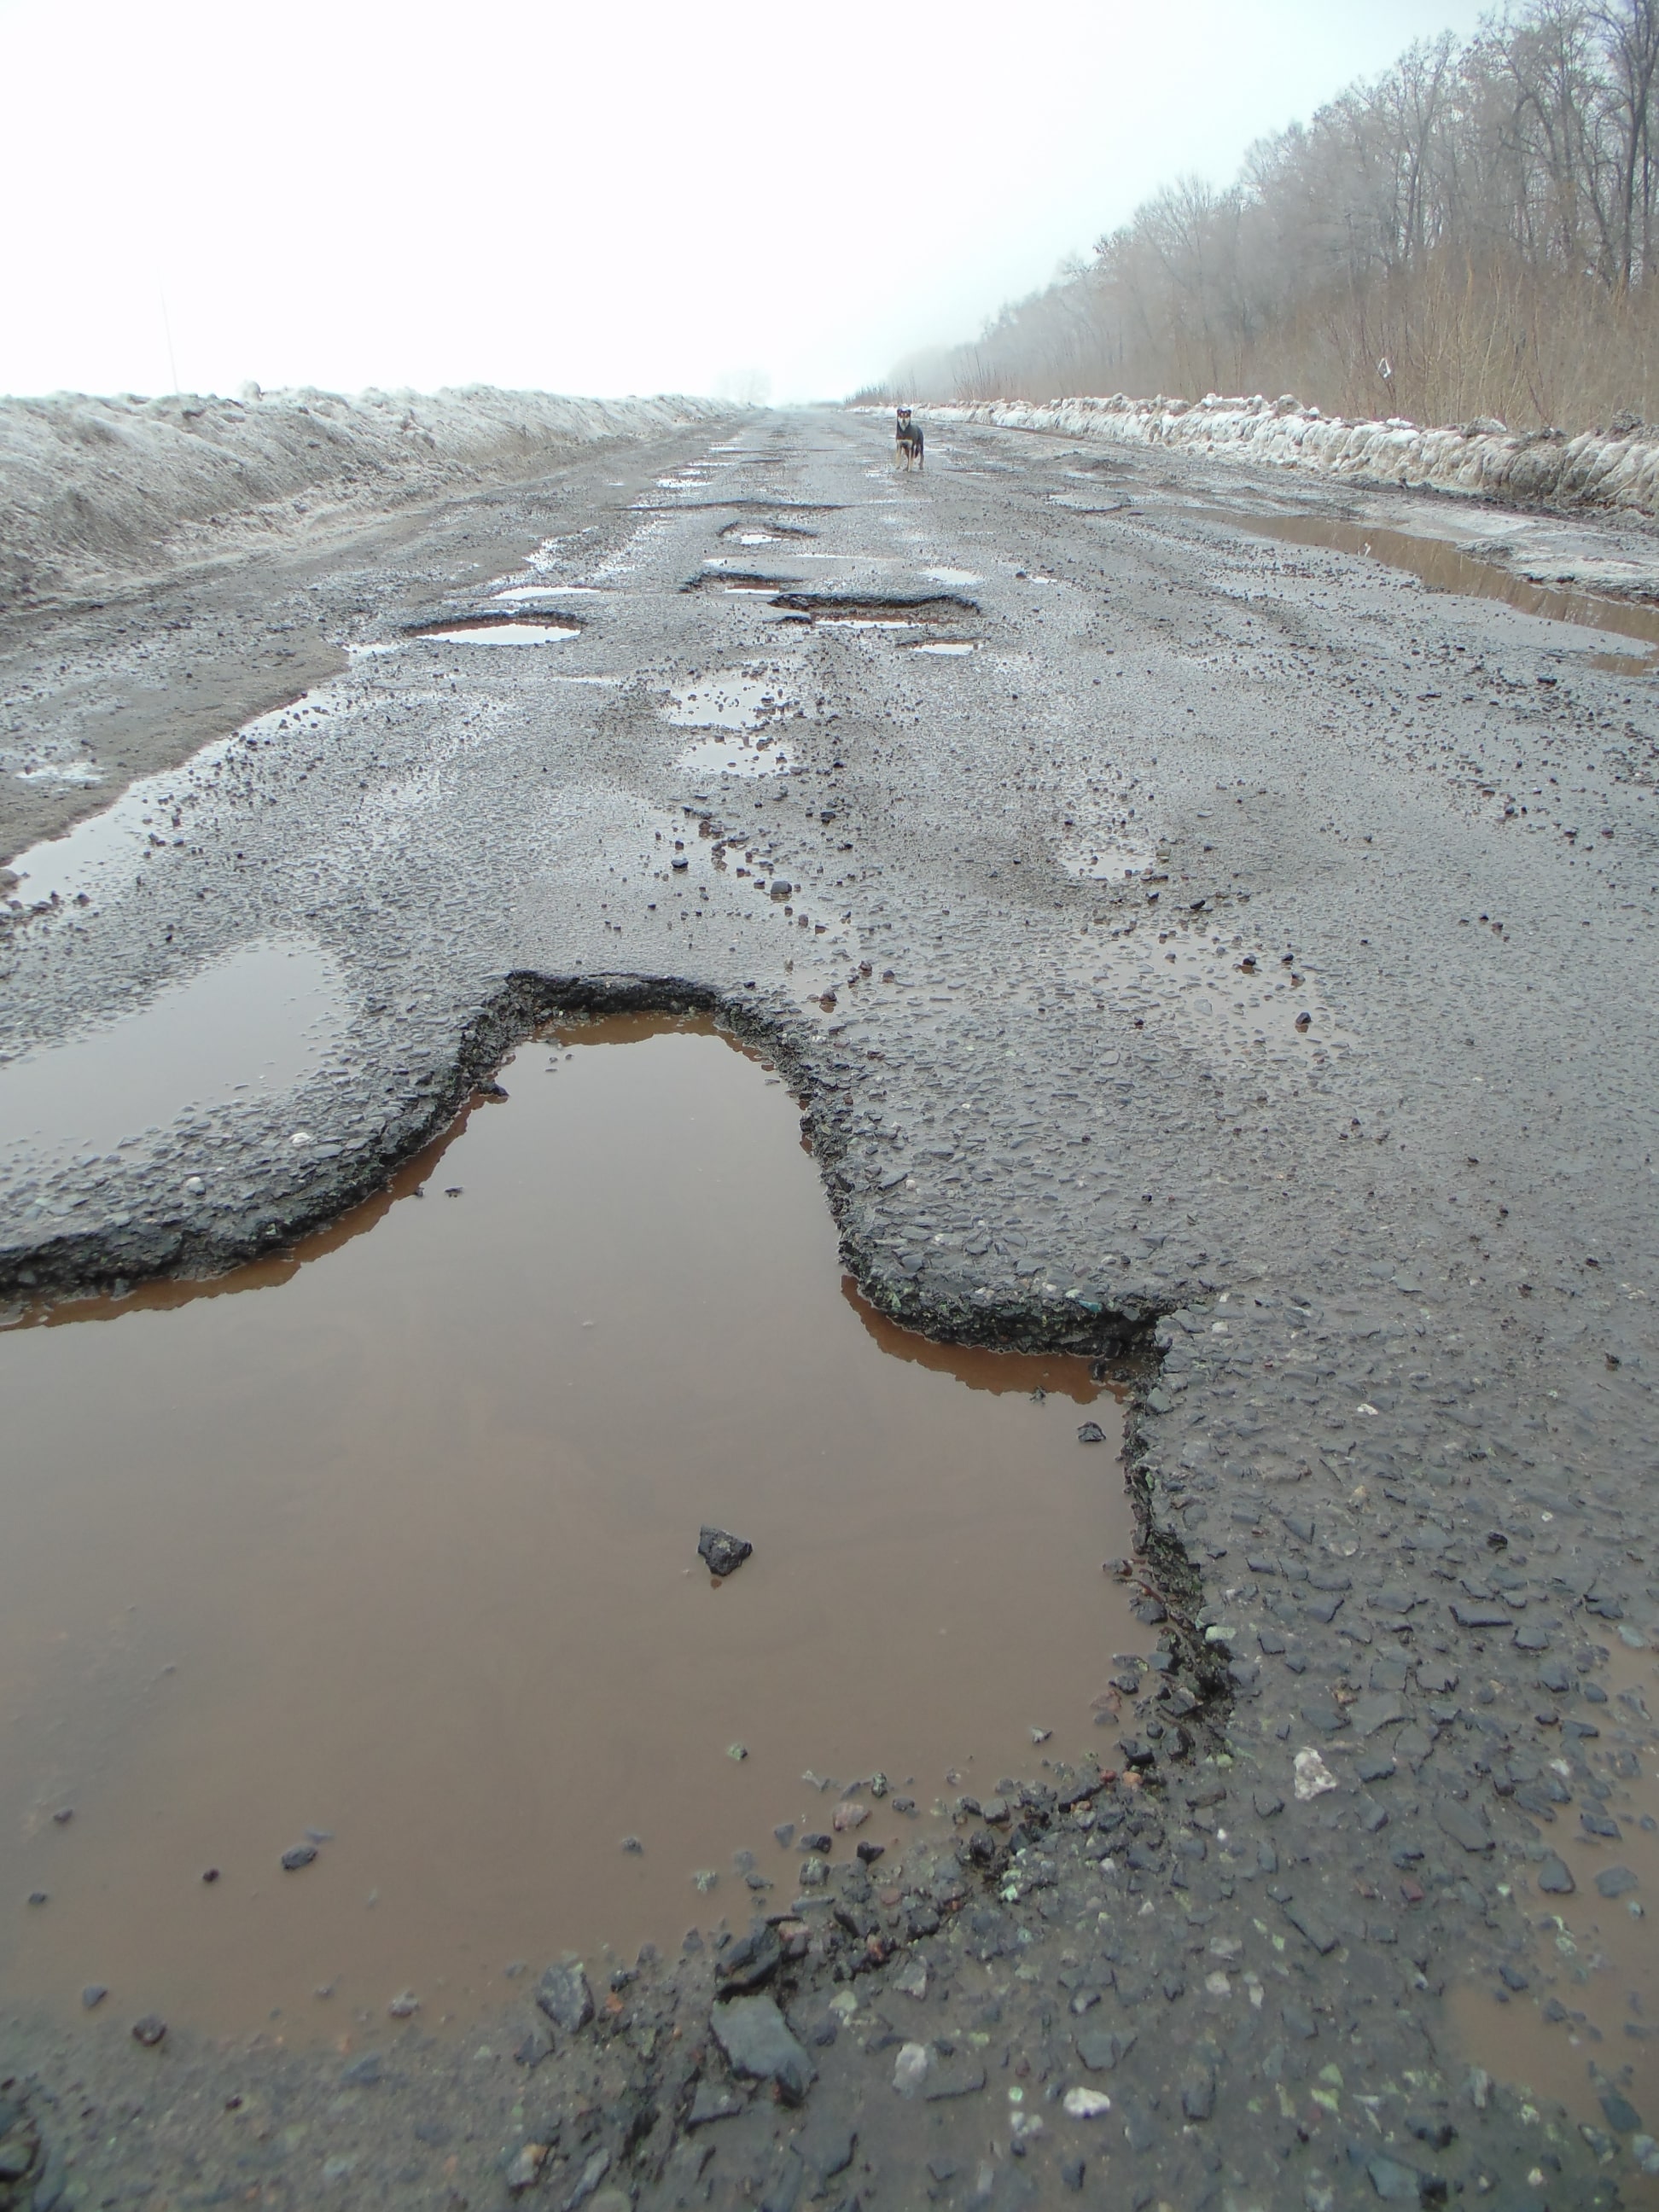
384, 1553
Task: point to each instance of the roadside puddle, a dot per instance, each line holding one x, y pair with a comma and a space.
252, 1023
1576, 2016
1444, 568
384, 1552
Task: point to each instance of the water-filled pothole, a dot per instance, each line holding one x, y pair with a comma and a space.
715, 578
249, 1026
732, 699
529, 628
1444, 568
386, 1551
769, 533
855, 611
523, 594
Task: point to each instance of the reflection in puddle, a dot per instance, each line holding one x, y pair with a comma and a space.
958, 576
520, 593
397, 1545
736, 755
952, 648
730, 700
1584, 2020
515, 632
1443, 568
255, 1021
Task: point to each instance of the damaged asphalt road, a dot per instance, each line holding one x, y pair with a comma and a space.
1166, 931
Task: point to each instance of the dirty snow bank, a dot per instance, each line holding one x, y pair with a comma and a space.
96, 490
1482, 458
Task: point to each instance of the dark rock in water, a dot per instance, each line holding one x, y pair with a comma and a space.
300, 1855
1554, 1878
722, 1554
1621, 2114
759, 2047
149, 2030
1091, 1433
752, 1960
94, 1995
536, 2045
1615, 1881
565, 1998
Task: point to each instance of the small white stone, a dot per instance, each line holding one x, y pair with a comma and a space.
1086, 2104
909, 2068
1313, 1777
302, 1137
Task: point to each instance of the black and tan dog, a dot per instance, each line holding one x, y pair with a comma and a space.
907, 440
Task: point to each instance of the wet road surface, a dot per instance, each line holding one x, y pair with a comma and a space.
1238, 942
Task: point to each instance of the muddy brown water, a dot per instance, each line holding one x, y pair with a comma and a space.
1445, 568
393, 1539
1586, 2021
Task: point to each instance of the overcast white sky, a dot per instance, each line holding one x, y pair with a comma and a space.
631, 197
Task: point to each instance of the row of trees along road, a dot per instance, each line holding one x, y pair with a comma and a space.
1472, 234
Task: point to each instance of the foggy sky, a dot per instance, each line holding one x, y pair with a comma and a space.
627, 198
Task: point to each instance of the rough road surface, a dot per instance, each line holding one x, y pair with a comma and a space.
1240, 947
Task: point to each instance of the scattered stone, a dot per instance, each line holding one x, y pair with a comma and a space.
849, 1815
1091, 1433
1466, 1823
1622, 2116
1308, 1923
712, 2103
1313, 1777
149, 2030
911, 1979
597, 2165
1615, 1880
524, 2168
1554, 1878
298, 1856
363, 2072
737, 1751
564, 1995
751, 1960
404, 2005
94, 1995
758, 2045
910, 2067
1397, 2182
1086, 2105
721, 1553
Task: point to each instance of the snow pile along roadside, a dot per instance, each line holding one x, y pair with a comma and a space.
1615, 468
93, 489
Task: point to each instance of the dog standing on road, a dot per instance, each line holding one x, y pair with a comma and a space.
907, 446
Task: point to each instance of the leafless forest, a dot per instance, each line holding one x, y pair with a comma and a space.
1472, 234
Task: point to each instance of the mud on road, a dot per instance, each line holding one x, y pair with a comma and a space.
1181, 937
